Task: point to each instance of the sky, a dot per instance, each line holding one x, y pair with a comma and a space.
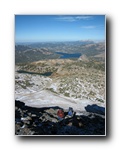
51, 28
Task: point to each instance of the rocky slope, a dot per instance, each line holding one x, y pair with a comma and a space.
73, 79
71, 83
44, 121
83, 58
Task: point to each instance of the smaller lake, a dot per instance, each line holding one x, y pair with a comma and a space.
43, 74
66, 55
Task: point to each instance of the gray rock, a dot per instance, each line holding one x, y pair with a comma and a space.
33, 115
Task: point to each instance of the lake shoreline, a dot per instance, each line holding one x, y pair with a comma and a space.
68, 55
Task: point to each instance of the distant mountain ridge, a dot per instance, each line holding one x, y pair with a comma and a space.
26, 54
41, 51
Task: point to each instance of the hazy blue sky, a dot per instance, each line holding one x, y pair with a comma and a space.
43, 28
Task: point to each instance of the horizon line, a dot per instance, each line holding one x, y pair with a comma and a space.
62, 41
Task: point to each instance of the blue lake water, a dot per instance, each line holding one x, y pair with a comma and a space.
44, 74
66, 55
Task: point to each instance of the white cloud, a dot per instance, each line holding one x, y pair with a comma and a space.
69, 19
73, 18
83, 17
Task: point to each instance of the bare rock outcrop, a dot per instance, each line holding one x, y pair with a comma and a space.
83, 58
44, 121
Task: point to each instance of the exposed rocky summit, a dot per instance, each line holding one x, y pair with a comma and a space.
44, 121
83, 58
